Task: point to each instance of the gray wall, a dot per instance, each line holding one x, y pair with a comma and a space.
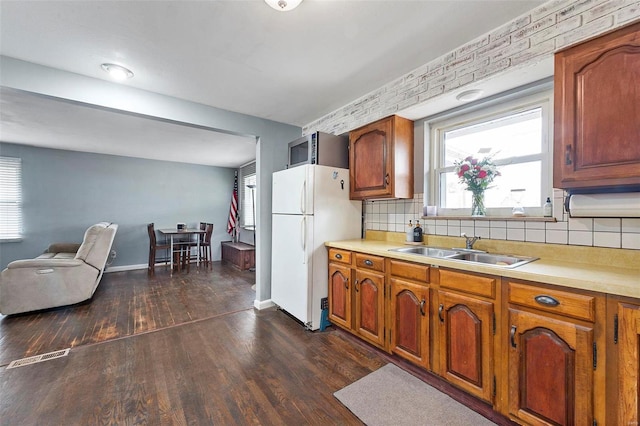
65, 192
272, 136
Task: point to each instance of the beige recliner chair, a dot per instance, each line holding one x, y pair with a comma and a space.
63, 275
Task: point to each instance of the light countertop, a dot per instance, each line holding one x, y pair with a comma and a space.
621, 280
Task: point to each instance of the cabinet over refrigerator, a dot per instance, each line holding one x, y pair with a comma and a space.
310, 206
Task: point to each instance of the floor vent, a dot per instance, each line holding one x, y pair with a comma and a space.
38, 358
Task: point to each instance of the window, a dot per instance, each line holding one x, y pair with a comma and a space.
10, 199
515, 135
248, 177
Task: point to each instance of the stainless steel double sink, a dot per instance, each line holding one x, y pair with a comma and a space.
465, 255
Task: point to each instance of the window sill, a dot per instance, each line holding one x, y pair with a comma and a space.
488, 218
10, 240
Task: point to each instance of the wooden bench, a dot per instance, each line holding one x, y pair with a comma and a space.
240, 255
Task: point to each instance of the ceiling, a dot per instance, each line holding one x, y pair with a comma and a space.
237, 55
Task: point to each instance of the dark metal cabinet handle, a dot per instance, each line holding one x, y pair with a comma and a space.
386, 179
422, 307
338, 256
368, 262
440, 309
512, 335
346, 283
356, 285
545, 300
567, 155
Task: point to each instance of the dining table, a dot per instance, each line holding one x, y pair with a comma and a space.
173, 232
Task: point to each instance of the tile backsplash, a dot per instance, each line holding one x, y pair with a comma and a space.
394, 215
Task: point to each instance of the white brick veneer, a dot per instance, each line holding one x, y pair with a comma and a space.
522, 42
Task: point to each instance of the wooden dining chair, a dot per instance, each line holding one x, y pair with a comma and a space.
205, 246
188, 246
154, 247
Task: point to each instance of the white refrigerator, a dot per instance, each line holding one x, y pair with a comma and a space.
310, 206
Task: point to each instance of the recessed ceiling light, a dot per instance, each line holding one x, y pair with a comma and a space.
283, 5
117, 72
469, 95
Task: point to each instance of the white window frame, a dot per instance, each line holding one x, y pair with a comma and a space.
434, 157
247, 221
10, 199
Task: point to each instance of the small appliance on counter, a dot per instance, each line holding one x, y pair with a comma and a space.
181, 226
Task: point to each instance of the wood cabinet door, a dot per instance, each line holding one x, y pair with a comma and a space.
369, 301
550, 370
628, 364
370, 160
596, 112
410, 321
340, 295
466, 343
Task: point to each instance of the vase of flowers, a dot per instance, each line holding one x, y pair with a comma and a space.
476, 175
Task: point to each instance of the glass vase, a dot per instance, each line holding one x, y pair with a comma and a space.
477, 204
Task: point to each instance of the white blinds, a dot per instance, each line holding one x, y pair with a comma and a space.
10, 198
247, 177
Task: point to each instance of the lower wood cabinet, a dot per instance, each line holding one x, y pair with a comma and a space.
369, 306
466, 333
623, 376
409, 316
550, 370
553, 355
540, 354
340, 295
357, 294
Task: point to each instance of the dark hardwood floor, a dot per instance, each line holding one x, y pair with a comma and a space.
183, 350
187, 349
128, 303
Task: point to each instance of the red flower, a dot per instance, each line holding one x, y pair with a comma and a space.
464, 168
482, 174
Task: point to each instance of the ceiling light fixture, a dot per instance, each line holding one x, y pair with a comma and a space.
117, 72
283, 5
469, 95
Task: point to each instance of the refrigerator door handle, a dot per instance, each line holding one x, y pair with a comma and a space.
303, 240
303, 197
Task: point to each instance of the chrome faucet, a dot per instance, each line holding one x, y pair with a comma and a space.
470, 241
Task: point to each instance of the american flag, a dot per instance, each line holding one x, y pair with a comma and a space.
233, 210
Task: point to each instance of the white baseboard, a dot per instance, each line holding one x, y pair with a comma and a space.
264, 304
125, 268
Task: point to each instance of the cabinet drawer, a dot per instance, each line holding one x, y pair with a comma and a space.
370, 262
467, 283
341, 256
556, 301
412, 271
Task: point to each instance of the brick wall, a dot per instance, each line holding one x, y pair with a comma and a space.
522, 42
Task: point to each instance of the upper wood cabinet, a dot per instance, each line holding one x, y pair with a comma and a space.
597, 105
381, 160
